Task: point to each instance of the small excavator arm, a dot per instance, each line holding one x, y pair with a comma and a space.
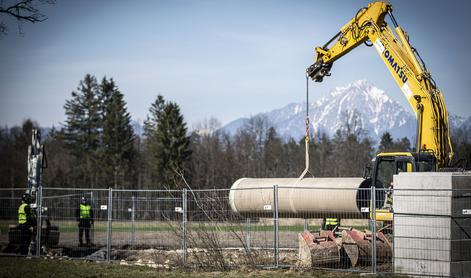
405, 65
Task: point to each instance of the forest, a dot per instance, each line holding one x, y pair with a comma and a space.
96, 147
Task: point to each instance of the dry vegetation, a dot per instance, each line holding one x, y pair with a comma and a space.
24, 268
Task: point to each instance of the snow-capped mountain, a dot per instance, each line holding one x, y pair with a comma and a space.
360, 104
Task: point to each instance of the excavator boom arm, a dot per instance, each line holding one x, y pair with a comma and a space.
402, 61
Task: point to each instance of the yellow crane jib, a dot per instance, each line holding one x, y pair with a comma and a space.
368, 26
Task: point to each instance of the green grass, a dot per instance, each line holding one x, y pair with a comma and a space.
149, 226
25, 268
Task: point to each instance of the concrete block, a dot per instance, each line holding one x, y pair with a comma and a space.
422, 249
462, 184
431, 268
423, 181
413, 203
421, 267
460, 228
461, 206
460, 250
460, 269
431, 227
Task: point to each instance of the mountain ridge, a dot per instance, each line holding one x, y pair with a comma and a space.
359, 104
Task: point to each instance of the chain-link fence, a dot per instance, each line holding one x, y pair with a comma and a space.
9, 202
200, 228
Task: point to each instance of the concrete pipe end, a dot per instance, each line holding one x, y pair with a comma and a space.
232, 193
364, 196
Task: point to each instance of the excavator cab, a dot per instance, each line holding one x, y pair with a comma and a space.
386, 165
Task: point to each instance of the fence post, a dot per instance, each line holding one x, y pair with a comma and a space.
184, 220
39, 197
133, 219
373, 229
110, 217
92, 228
248, 231
306, 224
276, 224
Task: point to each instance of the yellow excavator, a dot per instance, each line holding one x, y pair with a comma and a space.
433, 147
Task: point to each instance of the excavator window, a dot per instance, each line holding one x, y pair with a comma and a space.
386, 168
404, 166
426, 162
425, 166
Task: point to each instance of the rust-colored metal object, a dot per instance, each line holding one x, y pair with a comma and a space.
323, 249
357, 246
318, 249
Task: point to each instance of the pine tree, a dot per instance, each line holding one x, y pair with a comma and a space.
83, 127
118, 136
272, 153
386, 143
155, 110
404, 144
323, 158
168, 141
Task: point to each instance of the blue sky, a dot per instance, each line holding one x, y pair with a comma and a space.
225, 59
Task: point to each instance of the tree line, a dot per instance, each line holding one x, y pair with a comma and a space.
96, 147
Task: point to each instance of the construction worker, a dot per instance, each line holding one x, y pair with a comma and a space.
26, 223
85, 220
331, 224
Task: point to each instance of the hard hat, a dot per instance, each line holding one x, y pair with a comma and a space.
26, 198
83, 200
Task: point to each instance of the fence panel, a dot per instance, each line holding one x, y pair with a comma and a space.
218, 237
432, 232
10, 200
63, 212
149, 226
385, 233
147, 220
313, 235
200, 228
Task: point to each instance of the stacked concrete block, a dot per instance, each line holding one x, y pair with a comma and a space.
432, 224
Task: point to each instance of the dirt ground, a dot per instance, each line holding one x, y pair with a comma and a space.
167, 234
159, 245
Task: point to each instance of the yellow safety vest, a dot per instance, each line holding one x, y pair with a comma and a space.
22, 213
331, 221
85, 211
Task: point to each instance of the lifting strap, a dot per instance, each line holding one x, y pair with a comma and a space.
306, 137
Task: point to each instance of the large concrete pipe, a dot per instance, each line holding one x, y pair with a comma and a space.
309, 198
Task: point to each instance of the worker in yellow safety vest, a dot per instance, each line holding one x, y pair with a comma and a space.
331, 224
26, 223
85, 220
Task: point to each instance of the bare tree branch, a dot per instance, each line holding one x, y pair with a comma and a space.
23, 11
